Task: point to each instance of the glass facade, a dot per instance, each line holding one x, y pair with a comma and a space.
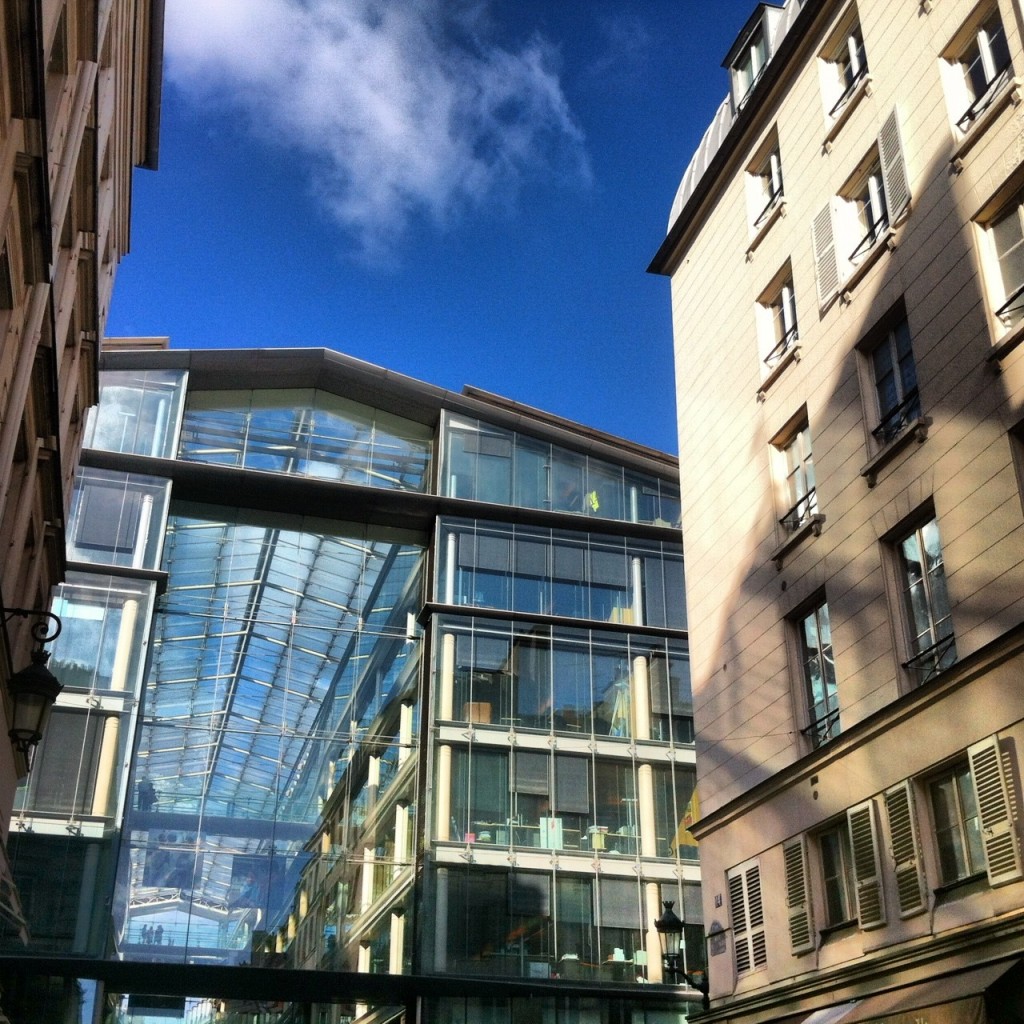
489, 463
283, 743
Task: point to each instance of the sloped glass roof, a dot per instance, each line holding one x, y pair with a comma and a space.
275, 636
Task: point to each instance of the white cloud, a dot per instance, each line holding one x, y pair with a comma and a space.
403, 107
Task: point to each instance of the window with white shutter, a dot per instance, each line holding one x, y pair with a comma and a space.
798, 904
997, 817
910, 882
867, 871
747, 914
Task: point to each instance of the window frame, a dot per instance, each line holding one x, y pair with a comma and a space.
747, 67
1011, 295
959, 858
982, 40
892, 417
820, 729
925, 661
844, 69
842, 883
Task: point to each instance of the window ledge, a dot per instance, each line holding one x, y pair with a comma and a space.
791, 355
917, 430
884, 243
778, 210
1012, 93
834, 930
813, 525
865, 88
1007, 345
961, 887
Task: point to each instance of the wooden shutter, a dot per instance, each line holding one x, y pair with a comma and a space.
826, 264
867, 871
801, 922
747, 912
906, 849
990, 777
895, 180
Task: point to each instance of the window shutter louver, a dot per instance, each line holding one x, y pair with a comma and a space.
801, 924
991, 780
826, 265
910, 890
866, 867
747, 912
895, 180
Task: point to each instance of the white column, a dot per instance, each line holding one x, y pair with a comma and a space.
443, 793
401, 837
397, 947
652, 941
446, 695
636, 566
450, 564
405, 724
641, 698
645, 803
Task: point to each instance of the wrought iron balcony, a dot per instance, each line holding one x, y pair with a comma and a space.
927, 664
898, 418
801, 512
781, 348
984, 101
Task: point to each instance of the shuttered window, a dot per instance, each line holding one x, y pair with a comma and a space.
747, 913
801, 923
867, 873
910, 882
990, 777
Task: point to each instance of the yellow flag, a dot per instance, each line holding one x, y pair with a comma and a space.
683, 836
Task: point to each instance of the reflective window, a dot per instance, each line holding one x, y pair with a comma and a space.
504, 674
487, 463
117, 518
526, 569
138, 412
306, 433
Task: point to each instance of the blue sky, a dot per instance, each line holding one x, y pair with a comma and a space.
465, 191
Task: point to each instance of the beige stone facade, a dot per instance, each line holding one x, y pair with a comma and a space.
79, 99
847, 262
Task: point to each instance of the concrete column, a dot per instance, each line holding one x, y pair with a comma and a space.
405, 736
123, 652
645, 805
86, 896
397, 947
106, 766
441, 921
401, 837
640, 694
366, 880
446, 698
450, 564
443, 793
652, 898
636, 566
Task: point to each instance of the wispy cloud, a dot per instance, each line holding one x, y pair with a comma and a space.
403, 108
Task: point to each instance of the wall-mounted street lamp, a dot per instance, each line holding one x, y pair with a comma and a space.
33, 689
670, 932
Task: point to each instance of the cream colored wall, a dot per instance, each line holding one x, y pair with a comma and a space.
742, 673
746, 677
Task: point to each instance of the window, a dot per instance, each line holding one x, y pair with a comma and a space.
850, 227
929, 620
778, 320
747, 913
837, 875
1007, 235
844, 66
799, 485
748, 65
982, 68
764, 185
866, 200
957, 829
895, 378
819, 675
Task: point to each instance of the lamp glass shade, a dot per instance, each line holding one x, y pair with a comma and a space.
33, 691
670, 930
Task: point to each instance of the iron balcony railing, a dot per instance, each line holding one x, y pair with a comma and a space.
875, 230
800, 513
781, 348
823, 729
896, 419
851, 87
773, 201
927, 664
1010, 311
984, 101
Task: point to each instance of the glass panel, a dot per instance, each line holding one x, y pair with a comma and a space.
138, 412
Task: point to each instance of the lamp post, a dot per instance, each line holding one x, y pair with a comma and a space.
670, 932
33, 689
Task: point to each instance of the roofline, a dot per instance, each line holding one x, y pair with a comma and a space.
154, 91
669, 253
240, 369
756, 17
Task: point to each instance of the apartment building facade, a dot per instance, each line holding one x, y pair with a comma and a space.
79, 109
362, 677
844, 254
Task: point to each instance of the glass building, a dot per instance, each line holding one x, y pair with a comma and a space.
363, 677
